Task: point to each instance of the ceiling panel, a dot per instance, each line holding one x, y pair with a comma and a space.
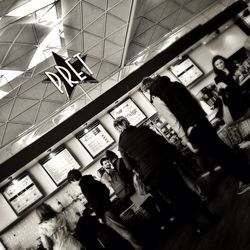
103, 30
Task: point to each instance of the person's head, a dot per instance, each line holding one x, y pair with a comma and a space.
111, 156
74, 176
106, 163
45, 212
146, 83
219, 63
121, 123
158, 86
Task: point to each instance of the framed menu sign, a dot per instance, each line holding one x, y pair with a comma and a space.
95, 139
58, 163
21, 193
129, 110
186, 71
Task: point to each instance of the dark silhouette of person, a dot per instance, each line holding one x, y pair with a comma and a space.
98, 197
154, 160
179, 101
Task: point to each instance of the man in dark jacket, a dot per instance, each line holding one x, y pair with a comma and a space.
154, 159
182, 104
98, 197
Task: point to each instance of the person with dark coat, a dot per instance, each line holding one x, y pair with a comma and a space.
180, 102
154, 160
227, 81
98, 197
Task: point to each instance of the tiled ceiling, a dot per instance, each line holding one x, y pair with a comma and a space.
109, 32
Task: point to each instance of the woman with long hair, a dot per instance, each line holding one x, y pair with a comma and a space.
227, 81
53, 230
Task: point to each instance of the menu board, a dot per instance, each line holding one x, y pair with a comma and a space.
58, 163
186, 71
95, 139
21, 193
129, 110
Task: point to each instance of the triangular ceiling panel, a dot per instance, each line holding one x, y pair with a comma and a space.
90, 13
144, 26
2, 130
10, 33
28, 116
95, 69
97, 27
30, 83
41, 31
19, 57
183, 17
46, 109
73, 19
145, 38
113, 24
21, 105
105, 70
134, 49
152, 4
76, 44
67, 5
56, 97
5, 110
69, 34
91, 61
110, 48
122, 10
96, 51
158, 33
156, 13
90, 40
50, 88
5, 6
170, 21
27, 35
35, 92
13, 130
119, 36
111, 3
3, 51
99, 3
116, 57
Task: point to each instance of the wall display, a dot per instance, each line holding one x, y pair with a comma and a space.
186, 71
95, 139
129, 110
58, 163
21, 193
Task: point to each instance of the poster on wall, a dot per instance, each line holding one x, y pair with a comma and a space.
58, 163
129, 110
95, 139
186, 71
21, 193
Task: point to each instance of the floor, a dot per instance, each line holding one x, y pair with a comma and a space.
231, 232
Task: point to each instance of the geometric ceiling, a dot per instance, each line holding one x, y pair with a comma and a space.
108, 32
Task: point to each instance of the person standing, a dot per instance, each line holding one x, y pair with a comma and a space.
227, 80
154, 159
98, 197
176, 99
53, 230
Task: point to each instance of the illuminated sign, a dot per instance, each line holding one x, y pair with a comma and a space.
70, 74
